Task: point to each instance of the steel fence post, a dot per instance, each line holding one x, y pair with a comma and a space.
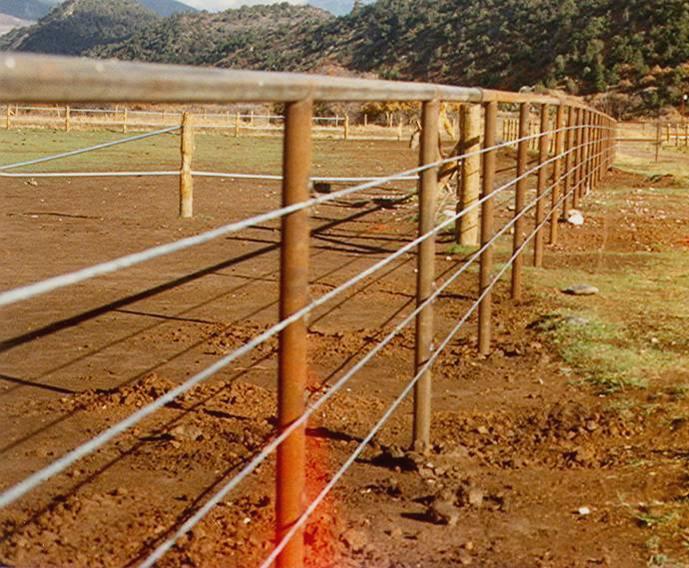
292, 358
544, 144
487, 231
425, 281
519, 201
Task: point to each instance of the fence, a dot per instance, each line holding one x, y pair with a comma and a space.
249, 123
575, 148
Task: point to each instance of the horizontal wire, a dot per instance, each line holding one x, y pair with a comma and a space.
398, 401
265, 453
31, 290
89, 149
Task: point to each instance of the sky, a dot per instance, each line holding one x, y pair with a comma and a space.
225, 4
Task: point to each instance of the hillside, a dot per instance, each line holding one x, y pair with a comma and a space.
76, 26
24, 9
9, 23
639, 51
337, 7
259, 37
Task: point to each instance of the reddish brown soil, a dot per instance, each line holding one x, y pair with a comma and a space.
518, 449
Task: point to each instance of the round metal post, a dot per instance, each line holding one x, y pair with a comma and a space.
520, 201
292, 358
544, 144
487, 230
557, 171
428, 190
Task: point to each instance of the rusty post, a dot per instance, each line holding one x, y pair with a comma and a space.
578, 141
557, 171
519, 201
186, 181
585, 154
569, 161
467, 226
292, 358
425, 280
487, 232
544, 145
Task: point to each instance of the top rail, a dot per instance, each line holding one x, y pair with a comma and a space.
31, 78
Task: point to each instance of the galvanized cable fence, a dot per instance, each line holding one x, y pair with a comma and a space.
573, 156
79, 453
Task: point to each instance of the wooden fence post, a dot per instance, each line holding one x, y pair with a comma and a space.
519, 202
8, 117
487, 232
428, 190
186, 180
544, 145
346, 127
467, 226
659, 141
237, 124
292, 355
365, 120
68, 114
585, 154
557, 171
399, 129
125, 115
570, 159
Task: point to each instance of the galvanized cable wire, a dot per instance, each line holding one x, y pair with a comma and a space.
398, 401
31, 290
92, 445
89, 149
89, 174
89, 447
164, 547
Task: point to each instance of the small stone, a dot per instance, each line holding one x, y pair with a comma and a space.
583, 511
581, 290
465, 558
592, 425
443, 513
396, 533
186, 433
354, 539
482, 430
574, 217
32, 182
475, 497
576, 321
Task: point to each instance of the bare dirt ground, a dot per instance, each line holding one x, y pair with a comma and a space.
549, 452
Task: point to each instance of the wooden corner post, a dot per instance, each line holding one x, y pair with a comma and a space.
467, 226
292, 358
186, 180
428, 190
487, 231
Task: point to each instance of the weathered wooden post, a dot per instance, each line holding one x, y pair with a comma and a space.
467, 226
519, 201
400, 126
544, 144
8, 117
237, 124
68, 113
585, 153
346, 127
487, 232
251, 118
557, 171
292, 355
365, 120
125, 115
186, 180
428, 190
659, 140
